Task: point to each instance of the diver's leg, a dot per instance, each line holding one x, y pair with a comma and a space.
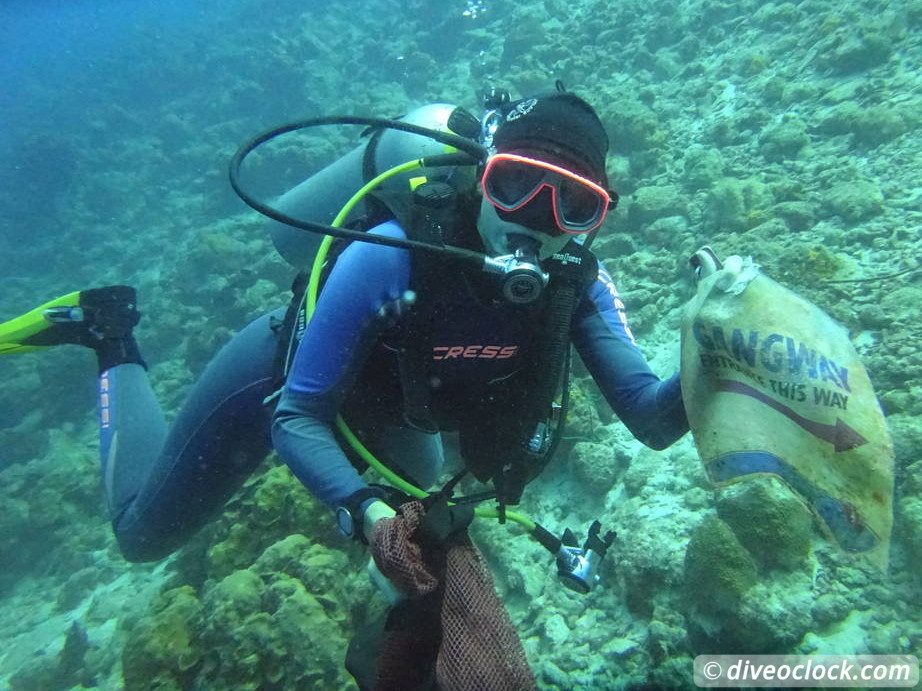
160, 487
130, 418
132, 432
219, 437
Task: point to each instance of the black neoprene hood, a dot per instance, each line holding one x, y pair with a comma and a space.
561, 124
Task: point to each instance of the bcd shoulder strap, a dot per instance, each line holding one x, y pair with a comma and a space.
514, 444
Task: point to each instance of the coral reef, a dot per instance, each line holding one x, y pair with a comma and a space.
909, 510
702, 167
268, 630
855, 201
598, 466
785, 139
651, 203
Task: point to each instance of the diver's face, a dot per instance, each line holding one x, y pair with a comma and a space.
499, 236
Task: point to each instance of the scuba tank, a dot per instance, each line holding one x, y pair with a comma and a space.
321, 196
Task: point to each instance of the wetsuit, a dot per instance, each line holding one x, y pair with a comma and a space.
164, 485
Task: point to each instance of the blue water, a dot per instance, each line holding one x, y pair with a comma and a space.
63, 68
84, 42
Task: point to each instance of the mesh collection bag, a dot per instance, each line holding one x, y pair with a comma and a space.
452, 632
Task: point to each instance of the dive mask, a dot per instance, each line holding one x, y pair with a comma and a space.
514, 184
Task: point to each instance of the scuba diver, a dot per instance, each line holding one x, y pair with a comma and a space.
401, 343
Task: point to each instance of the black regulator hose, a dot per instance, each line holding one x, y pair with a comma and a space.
556, 355
470, 153
553, 354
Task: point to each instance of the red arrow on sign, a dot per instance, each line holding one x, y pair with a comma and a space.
840, 435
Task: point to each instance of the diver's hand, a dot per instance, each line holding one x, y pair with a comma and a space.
443, 521
705, 262
374, 513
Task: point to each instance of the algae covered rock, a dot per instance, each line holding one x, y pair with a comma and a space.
870, 125
255, 628
730, 609
162, 650
276, 506
909, 515
598, 466
328, 574
702, 166
769, 521
655, 528
233, 552
903, 304
853, 50
854, 201
234, 598
777, 16
830, 607
656, 201
907, 444
666, 231
301, 620
801, 265
281, 498
269, 632
718, 569
773, 615
798, 215
631, 125
909, 527
735, 204
784, 140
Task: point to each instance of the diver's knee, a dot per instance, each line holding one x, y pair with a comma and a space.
138, 548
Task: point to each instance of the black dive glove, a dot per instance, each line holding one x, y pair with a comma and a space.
443, 521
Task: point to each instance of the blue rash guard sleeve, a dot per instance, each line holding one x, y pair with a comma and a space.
651, 408
336, 344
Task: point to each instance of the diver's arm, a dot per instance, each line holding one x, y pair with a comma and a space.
304, 439
337, 340
651, 408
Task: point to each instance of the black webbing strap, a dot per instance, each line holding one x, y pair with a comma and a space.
288, 333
